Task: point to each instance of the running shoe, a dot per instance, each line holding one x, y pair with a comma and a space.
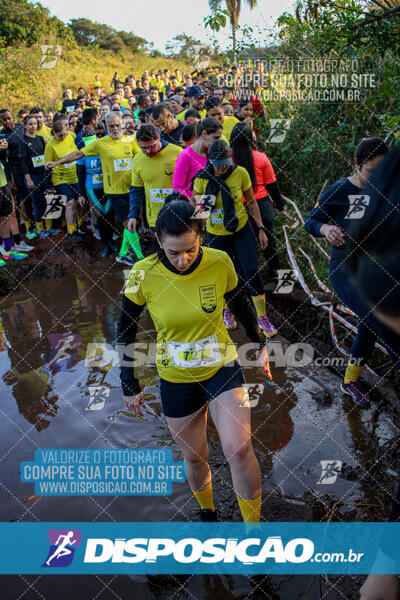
125, 260
23, 247
74, 237
115, 236
43, 234
112, 247
354, 390
206, 515
105, 252
13, 253
2, 263
54, 231
267, 327
132, 254
89, 225
229, 319
31, 233
96, 234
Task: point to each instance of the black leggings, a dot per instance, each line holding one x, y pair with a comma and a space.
105, 222
369, 327
267, 215
241, 246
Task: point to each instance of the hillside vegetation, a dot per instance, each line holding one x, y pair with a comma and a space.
87, 49
23, 84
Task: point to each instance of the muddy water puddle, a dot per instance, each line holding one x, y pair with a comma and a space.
303, 434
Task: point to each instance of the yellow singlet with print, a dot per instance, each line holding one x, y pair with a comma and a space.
155, 174
192, 341
55, 150
116, 161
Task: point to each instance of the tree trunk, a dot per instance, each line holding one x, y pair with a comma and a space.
234, 42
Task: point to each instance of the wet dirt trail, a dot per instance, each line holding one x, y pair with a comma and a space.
301, 420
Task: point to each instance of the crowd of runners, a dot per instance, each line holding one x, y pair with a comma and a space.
167, 166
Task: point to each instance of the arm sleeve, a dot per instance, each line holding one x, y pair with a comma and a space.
180, 182
23, 157
137, 198
275, 193
126, 335
322, 213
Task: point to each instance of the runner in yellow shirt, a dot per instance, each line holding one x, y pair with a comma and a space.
184, 289
196, 98
214, 109
42, 129
224, 184
152, 175
115, 152
64, 176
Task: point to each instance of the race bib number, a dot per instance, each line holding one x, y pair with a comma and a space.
38, 161
217, 216
158, 195
70, 109
122, 164
69, 165
97, 178
201, 353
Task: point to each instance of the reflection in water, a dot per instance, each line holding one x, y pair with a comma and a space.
50, 374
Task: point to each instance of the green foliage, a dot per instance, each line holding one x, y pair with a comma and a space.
217, 19
319, 146
23, 22
181, 46
90, 33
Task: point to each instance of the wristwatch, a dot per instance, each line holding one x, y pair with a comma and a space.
262, 228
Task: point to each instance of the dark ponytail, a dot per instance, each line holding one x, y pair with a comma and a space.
242, 147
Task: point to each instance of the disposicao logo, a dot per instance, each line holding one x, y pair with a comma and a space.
190, 550
62, 547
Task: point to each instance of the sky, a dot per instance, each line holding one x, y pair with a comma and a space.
160, 20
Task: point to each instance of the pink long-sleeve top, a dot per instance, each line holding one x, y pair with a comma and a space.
187, 165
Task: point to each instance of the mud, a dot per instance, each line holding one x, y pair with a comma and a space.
298, 421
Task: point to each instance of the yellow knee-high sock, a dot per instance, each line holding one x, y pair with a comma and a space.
259, 305
48, 224
205, 498
80, 221
71, 228
250, 509
352, 373
39, 225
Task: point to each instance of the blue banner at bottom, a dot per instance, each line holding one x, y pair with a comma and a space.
208, 548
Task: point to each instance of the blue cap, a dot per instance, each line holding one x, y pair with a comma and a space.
195, 91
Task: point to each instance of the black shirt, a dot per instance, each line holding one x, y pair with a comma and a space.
13, 137
173, 137
30, 148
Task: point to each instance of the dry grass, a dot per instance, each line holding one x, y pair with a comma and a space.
23, 84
